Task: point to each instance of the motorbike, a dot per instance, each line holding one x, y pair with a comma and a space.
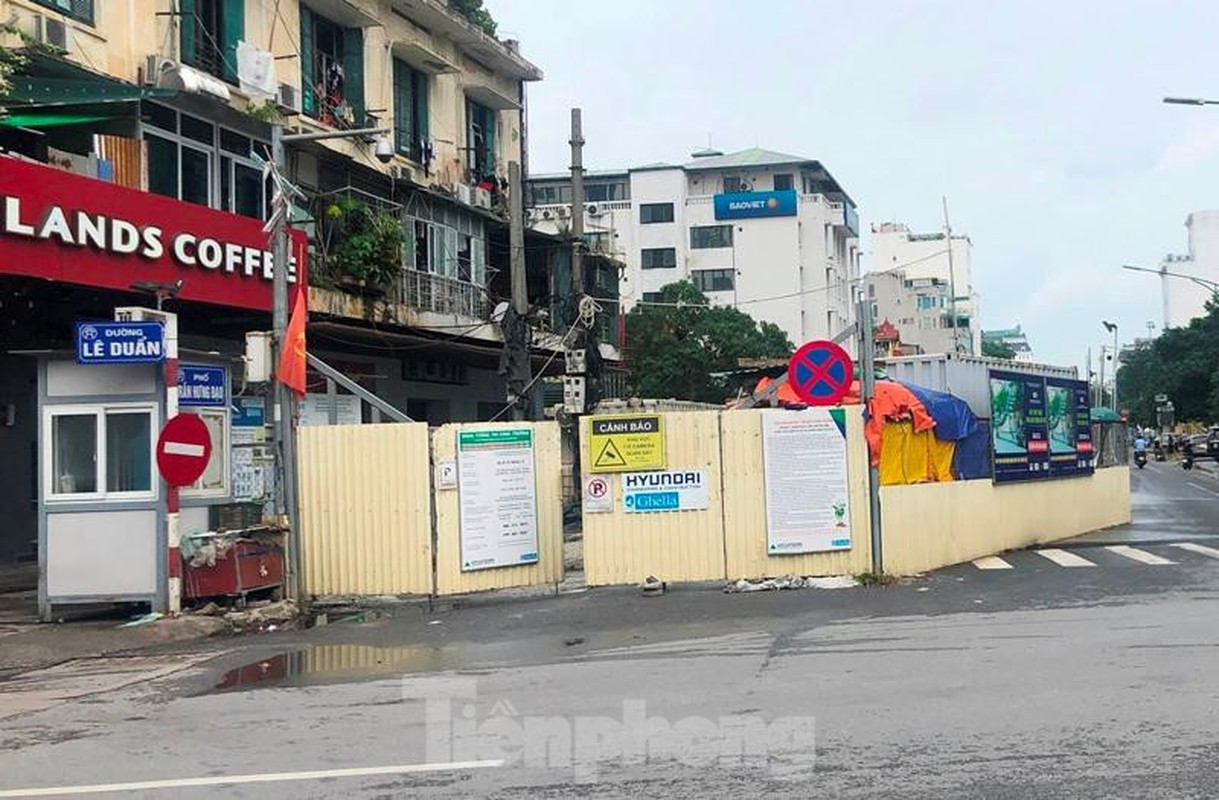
1140, 458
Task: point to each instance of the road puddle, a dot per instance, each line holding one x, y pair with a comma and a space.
339, 663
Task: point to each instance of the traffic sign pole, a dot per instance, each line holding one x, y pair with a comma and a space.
173, 530
867, 384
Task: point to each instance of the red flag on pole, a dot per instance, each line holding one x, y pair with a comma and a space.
291, 371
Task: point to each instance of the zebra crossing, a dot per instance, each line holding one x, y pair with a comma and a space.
1174, 553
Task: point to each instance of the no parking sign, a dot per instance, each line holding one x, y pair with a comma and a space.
820, 373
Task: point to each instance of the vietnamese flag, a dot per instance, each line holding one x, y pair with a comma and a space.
291, 371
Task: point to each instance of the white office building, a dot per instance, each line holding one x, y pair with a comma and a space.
772, 234
930, 278
1185, 298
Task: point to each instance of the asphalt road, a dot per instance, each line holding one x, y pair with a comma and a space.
1094, 680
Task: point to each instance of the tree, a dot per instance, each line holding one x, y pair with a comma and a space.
676, 350
1183, 363
997, 349
473, 11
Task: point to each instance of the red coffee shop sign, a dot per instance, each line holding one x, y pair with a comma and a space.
69, 228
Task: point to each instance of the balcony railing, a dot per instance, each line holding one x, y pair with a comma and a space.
441, 295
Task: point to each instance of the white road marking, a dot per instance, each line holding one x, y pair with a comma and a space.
991, 562
184, 449
1206, 489
1201, 549
1064, 559
233, 780
1139, 555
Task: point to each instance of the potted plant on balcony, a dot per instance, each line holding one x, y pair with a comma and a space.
365, 256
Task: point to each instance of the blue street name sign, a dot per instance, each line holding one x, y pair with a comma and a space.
120, 343
202, 386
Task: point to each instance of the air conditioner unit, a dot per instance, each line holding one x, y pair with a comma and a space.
564, 212
548, 213
465, 194
401, 172
481, 197
289, 99
151, 70
531, 214
49, 31
593, 210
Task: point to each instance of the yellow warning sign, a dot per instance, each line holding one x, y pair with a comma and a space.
626, 443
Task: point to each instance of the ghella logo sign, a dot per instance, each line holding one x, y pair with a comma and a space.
67, 228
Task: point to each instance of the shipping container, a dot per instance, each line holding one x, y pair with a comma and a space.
967, 377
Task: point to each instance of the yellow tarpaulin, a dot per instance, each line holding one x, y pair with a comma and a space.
909, 457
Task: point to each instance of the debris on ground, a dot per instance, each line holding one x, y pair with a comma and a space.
275, 616
209, 610
573, 641
652, 586
144, 619
791, 582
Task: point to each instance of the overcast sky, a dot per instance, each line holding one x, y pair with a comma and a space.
1040, 121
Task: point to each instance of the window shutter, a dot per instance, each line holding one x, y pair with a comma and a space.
478, 255
420, 92
489, 122
402, 99
189, 27
353, 67
308, 96
233, 16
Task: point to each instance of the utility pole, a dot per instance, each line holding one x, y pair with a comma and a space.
281, 415
1088, 374
867, 364
952, 280
577, 203
520, 291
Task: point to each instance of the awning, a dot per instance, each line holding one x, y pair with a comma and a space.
31, 91
51, 120
422, 57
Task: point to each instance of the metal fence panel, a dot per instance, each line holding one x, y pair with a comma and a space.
365, 509
622, 547
548, 471
745, 534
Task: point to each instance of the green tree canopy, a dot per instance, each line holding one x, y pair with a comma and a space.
1182, 363
676, 350
997, 349
473, 10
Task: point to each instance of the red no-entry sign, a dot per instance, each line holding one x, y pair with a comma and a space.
183, 450
820, 373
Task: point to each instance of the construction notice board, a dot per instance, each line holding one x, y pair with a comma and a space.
622, 443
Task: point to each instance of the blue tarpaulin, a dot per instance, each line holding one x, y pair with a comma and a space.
971, 460
953, 418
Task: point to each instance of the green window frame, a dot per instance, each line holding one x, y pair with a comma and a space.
350, 53
410, 110
210, 31
480, 140
79, 10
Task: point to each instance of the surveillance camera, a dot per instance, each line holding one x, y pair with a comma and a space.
384, 151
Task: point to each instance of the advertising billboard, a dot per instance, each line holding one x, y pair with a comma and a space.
1040, 427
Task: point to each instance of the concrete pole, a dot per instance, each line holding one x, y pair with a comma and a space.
285, 494
1116, 409
577, 202
867, 364
952, 282
516, 259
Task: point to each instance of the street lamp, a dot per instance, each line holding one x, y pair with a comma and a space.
1112, 328
1213, 286
1190, 101
285, 439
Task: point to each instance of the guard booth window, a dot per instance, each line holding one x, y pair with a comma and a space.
99, 452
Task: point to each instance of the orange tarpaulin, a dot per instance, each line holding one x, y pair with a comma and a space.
892, 402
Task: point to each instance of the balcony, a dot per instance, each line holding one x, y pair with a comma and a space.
439, 295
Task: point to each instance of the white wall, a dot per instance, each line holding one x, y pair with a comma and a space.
1183, 299
657, 186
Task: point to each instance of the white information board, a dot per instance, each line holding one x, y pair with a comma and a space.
498, 498
315, 410
807, 493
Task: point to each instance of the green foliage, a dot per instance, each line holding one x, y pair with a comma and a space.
993, 349
473, 11
675, 351
267, 111
11, 58
1182, 363
369, 243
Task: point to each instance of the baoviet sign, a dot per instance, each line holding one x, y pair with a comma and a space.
73, 229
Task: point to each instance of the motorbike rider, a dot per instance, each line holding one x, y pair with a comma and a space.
1140, 446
